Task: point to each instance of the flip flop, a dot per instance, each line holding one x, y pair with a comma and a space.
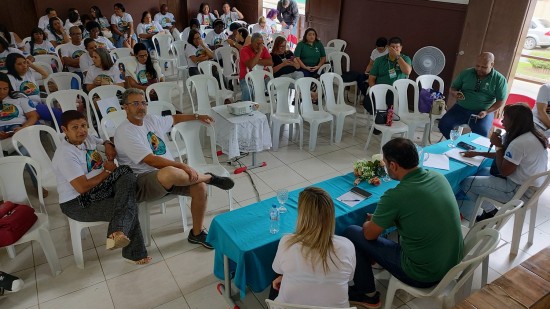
143, 261
117, 241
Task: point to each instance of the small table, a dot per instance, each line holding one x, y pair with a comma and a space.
244, 133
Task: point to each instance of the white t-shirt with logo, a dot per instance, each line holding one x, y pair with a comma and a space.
191, 50
165, 20
134, 143
229, 18
43, 48
14, 110
375, 53
213, 38
103, 42
207, 20
72, 51
70, 162
121, 22
5, 54
26, 85
152, 28
531, 158
113, 74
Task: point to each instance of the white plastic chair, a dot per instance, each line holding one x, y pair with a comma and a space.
190, 133
120, 52
25, 40
163, 46
413, 119
76, 228
271, 304
176, 34
497, 222
110, 122
531, 202
255, 80
335, 103
164, 91
52, 61
63, 80
67, 101
476, 248
205, 67
178, 47
105, 91
377, 95
12, 188
340, 45
325, 68
157, 107
201, 87
427, 82
38, 76
335, 59
313, 117
279, 91
230, 59
330, 50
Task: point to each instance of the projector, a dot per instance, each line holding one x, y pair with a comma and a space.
241, 108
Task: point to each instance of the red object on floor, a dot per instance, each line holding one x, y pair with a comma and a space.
240, 170
514, 98
219, 153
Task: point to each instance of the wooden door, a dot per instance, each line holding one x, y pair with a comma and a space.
324, 17
19, 16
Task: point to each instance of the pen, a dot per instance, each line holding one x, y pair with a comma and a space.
349, 200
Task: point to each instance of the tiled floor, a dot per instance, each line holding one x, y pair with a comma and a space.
180, 275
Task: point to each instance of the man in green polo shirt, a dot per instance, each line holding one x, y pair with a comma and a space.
387, 69
479, 92
424, 210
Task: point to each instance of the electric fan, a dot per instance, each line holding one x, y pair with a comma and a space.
428, 60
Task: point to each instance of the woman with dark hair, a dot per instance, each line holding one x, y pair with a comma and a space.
310, 53
17, 111
313, 260
242, 38
56, 33
193, 24
147, 29
73, 19
103, 72
230, 14
22, 80
205, 17
197, 51
284, 62
93, 28
13, 39
142, 71
38, 45
5, 50
85, 60
103, 22
122, 26
520, 154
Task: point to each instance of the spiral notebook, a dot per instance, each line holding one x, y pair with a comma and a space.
455, 155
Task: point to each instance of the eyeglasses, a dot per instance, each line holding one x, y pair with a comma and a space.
138, 103
478, 85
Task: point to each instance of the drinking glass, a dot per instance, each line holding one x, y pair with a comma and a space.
282, 197
420, 151
453, 135
386, 177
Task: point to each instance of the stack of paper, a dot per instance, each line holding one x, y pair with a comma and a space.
455, 155
439, 161
483, 141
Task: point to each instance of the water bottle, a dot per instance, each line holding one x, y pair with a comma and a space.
274, 219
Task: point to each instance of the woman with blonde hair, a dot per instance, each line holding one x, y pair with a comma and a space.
315, 265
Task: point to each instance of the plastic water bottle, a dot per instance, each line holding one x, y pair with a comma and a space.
274, 219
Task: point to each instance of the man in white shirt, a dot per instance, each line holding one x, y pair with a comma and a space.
215, 38
72, 51
165, 18
140, 145
44, 21
541, 110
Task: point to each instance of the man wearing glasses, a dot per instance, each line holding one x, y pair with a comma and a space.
141, 144
71, 52
479, 92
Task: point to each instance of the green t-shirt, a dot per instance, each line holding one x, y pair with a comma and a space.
310, 54
382, 66
425, 212
479, 98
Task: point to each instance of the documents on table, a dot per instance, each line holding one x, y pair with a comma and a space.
434, 160
350, 198
482, 141
455, 155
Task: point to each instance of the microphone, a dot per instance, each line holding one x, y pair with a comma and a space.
497, 132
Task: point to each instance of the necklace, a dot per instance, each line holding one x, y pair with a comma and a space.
79, 147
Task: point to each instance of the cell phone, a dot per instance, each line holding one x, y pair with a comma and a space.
465, 146
361, 192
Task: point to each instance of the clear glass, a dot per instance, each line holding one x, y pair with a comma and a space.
386, 177
420, 151
282, 197
453, 136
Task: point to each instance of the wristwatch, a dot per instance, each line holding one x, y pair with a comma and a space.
196, 116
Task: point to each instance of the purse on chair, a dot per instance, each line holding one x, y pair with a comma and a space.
15, 221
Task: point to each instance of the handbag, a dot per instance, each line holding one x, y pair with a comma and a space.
381, 117
15, 221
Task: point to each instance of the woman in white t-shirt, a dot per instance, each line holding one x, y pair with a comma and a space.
196, 51
103, 72
271, 19
263, 28
230, 14
56, 33
94, 189
147, 29
38, 45
314, 261
520, 154
94, 31
85, 60
205, 17
13, 39
105, 25
142, 71
122, 26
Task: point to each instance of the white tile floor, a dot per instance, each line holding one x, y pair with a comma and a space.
180, 275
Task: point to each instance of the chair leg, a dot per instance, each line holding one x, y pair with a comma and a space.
368, 138
390, 293
275, 131
410, 134
301, 135
76, 241
145, 222
230, 197
339, 127
532, 222
163, 208
484, 271
313, 131
49, 251
183, 208
11, 251
331, 132
518, 227
426, 135
354, 123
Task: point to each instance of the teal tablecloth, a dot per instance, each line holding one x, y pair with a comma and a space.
243, 234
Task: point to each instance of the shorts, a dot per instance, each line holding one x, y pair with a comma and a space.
150, 189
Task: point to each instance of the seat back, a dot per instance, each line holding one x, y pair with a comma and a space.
206, 67
279, 90
111, 121
63, 81
517, 98
340, 45
178, 47
121, 52
67, 101
38, 76
332, 96
325, 68
271, 304
157, 107
164, 92
335, 59
176, 34
378, 94
163, 44
53, 61
230, 57
105, 91
12, 184
29, 138
427, 82
303, 94
530, 182
255, 80
201, 87
402, 87
189, 132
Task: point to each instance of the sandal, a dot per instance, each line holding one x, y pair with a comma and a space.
117, 240
143, 261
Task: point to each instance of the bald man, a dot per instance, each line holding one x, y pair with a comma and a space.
479, 92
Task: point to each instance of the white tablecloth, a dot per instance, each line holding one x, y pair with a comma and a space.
245, 133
